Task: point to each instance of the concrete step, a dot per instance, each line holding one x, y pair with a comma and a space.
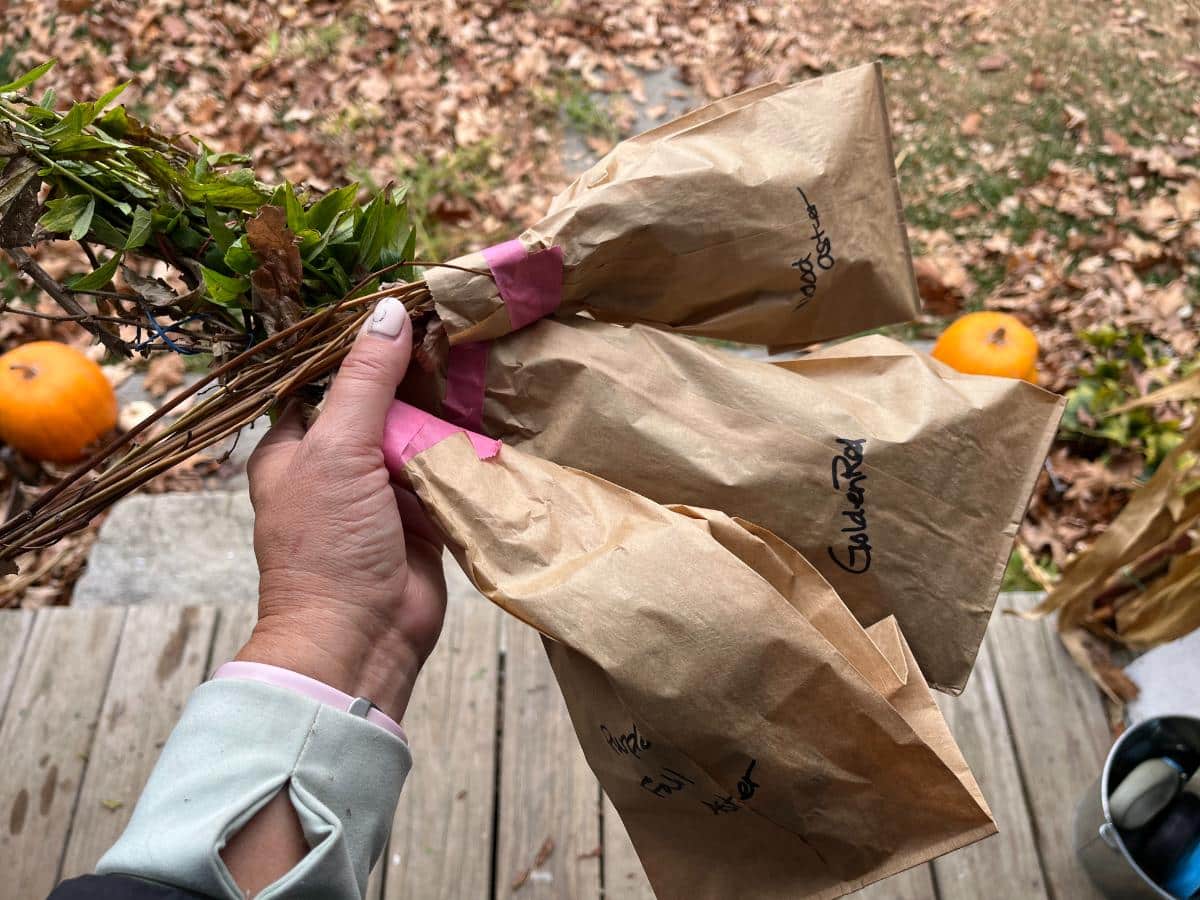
188, 548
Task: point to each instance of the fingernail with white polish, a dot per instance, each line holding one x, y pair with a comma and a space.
387, 319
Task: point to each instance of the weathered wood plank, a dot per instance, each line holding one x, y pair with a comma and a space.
161, 657
1004, 865
914, 884
234, 624
441, 846
624, 877
1061, 739
547, 792
46, 736
15, 625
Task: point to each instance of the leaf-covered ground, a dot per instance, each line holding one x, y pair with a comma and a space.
1049, 153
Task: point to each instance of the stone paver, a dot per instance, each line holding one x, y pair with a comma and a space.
192, 548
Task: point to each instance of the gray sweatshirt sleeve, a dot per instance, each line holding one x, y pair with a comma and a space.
236, 745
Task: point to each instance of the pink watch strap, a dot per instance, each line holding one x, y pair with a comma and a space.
310, 687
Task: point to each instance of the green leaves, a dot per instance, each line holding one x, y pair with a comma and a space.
99, 279
383, 232
221, 233
276, 250
1095, 412
28, 78
224, 290
71, 216
327, 211
139, 230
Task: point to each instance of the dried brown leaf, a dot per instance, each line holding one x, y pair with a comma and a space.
993, 62
943, 283
275, 283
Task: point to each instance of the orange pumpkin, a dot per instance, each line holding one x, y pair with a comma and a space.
54, 401
989, 343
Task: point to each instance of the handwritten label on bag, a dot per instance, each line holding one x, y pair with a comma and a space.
631, 743
820, 256
848, 477
746, 786
665, 782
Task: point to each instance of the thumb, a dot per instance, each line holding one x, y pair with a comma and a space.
366, 383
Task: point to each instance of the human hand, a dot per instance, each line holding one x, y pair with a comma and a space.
351, 590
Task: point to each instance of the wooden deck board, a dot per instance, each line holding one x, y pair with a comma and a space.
234, 624
549, 798
624, 877
15, 626
914, 884
160, 659
1005, 865
441, 845
1029, 723
46, 736
1061, 740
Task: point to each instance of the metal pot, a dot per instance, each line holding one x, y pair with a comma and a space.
1098, 845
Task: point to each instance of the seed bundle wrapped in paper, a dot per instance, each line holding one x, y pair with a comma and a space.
771, 217
779, 750
900, 479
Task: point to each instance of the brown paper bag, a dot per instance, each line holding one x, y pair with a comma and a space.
756, 741
901, 480
770, 217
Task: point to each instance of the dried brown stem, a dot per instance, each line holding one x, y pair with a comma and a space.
29, 266
82, 318
261, 376
1132, 577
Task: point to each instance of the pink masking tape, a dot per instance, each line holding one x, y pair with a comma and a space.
530, 283
466, 374
408, 431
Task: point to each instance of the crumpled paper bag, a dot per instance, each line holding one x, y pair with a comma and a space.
756, 741
901, 480
772, 216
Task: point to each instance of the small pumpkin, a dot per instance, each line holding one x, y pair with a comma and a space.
54, 401
989, 343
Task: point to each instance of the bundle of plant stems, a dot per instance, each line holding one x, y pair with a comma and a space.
1138, 583
271, 281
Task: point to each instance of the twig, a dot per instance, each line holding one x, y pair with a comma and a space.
26, 264
90, 253
6, 307
319, 342
1135, 575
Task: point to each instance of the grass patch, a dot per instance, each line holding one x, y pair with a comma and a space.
1015, 576
587, 115
436, 184
1067, 86
197, 363
570, 102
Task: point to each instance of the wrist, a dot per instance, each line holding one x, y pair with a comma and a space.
383, 670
